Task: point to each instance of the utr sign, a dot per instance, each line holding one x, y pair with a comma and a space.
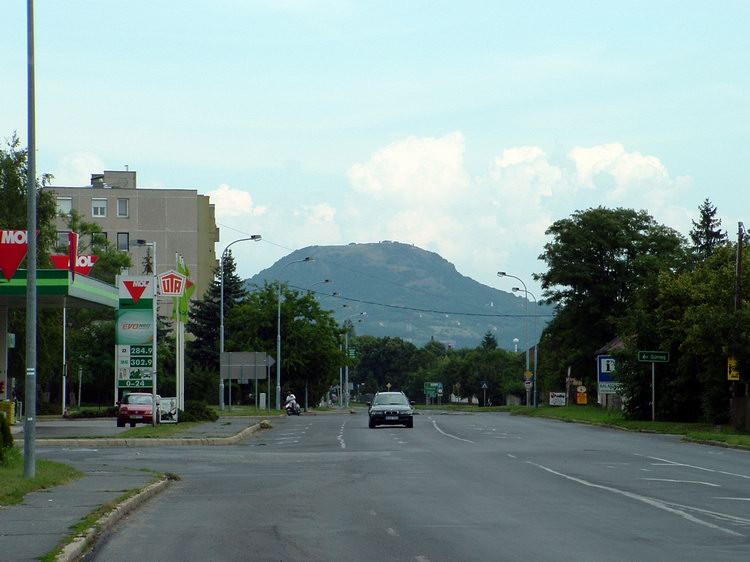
172, 284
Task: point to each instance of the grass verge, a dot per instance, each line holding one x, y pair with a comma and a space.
47, 474
701, 432
465, 408
243, 410
161, 430
92, 520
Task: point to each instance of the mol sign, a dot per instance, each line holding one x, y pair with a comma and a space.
13, 244
84, 264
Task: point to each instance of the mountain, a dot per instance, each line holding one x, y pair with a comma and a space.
409, 293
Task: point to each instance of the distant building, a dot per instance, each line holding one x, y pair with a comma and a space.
176, 220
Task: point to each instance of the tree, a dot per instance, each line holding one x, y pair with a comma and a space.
489, 341
310, 338
386, 360
597, 260
691, 315
111, 261
706, 234
13, 194
13, 215
202, 352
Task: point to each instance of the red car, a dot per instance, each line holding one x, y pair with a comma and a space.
136, 408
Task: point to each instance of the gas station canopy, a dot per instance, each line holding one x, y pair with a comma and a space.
56, 289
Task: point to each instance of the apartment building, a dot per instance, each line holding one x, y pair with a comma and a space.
170, 220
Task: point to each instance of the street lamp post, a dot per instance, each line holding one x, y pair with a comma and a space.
347, 326
536, 345
278, 333
254, 237
319, 283
309, 290
155, 306
526, 319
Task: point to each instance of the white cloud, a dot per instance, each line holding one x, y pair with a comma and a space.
75, 169
234, 202
498, 218
415, 169
629, 170
524, 176
319, 214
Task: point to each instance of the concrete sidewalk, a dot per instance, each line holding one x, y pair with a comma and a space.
35, 527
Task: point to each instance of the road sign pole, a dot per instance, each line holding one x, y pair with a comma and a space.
653, 391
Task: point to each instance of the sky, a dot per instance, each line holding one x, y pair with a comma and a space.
465, 127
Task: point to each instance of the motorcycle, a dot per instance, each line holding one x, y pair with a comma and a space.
292, 409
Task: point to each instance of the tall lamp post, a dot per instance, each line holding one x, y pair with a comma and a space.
536, 345
319, 283
526, 320
347, 326
255, 238
278, 332
152, 245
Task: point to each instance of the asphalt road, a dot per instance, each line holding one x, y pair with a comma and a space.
455, 487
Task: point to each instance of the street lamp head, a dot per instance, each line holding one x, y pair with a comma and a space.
516, 289
501, 274
256, 237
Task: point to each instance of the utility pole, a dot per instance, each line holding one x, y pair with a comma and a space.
29, 433
737, 304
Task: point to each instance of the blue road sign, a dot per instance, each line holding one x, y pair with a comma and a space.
606, 374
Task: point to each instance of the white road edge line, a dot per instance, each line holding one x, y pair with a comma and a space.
673, 463
435, 425
682, 481
649, 501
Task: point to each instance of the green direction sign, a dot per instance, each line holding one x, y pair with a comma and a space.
653, 356
431, 389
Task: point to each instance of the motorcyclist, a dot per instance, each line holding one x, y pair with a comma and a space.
291, 400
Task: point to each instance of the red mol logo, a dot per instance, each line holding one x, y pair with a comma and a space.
136, 289
84, 264
13, 245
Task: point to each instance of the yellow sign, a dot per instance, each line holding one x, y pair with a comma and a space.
733, 371
527, 375
582, 398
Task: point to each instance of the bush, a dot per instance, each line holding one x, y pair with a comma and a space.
197, 410
6, 438
108, 412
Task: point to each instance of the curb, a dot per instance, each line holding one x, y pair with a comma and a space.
82, 543
141, 442
716, 443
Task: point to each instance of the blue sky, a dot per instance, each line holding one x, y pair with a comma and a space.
465, 128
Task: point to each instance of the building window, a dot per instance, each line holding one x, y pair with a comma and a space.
123, 241
62, 241
99, 208
98, 238
122, 207
64, 205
